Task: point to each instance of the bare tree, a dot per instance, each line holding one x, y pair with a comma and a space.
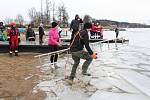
19, 19
8, 20
46, 18
63, 15
34, 16
47, 12
53, 9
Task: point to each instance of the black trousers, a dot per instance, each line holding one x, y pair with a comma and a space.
54, 57
40, 38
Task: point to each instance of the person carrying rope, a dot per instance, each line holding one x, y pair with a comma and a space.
78, 41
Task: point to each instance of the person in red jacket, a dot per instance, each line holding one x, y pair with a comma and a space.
13, 38
100, 31
93, 31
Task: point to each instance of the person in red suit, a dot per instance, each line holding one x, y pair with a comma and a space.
13, 38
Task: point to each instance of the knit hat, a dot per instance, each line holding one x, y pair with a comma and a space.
54, 24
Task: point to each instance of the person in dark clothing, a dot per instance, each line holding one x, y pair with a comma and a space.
75, 24
41, 33
1, 31
30, 35
78, 42
2, 27
117, 32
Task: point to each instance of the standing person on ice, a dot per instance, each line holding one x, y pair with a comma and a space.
78, 41
54, 43
117, 32
75, 24
41, 33
13, 38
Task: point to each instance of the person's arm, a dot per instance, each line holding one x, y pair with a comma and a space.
86, 42
71, 24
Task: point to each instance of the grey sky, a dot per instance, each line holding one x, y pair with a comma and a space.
119, 10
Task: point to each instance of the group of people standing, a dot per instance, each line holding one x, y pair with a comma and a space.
13, 36
79, 41
31, 36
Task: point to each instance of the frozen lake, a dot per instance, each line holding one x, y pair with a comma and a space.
117, 74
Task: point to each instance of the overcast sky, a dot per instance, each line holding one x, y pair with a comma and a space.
118, 10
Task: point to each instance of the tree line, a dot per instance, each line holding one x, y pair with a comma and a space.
51, 12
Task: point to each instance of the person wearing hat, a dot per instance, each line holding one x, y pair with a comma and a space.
13, 38
78, 42
74, 26
54, 43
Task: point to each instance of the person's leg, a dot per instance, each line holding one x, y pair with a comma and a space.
117, 33
56, 55
40, 39
12, 44
10, 47
16, 46
85, 55
75, 65
52, 56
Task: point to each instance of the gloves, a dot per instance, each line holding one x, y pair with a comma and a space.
94, 56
